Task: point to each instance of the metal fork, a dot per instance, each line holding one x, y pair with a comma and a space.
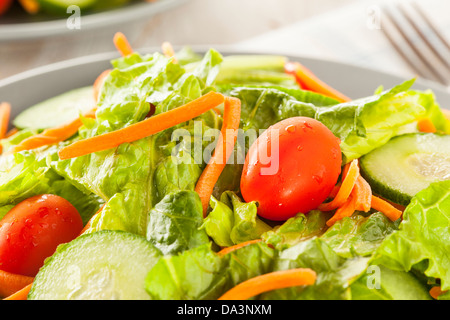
413, 35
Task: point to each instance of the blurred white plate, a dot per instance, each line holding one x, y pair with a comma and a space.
28, 88
22, 26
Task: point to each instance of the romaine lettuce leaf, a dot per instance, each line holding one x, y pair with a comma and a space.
297, 229
359, 235
174, 223
422, 236
26, 174
201, 274
137, 176
335, 274
232, 221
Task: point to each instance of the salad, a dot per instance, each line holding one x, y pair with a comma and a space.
59, 7
179, 176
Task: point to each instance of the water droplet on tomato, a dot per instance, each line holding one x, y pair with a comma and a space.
318, 179
43, 225
291, 128
300, 148
43, 212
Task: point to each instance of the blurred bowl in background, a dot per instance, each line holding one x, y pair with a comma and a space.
18, 25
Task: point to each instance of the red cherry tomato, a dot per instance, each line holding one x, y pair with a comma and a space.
31, 231
308, 167
4, 6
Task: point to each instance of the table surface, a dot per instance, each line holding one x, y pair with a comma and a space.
197, 22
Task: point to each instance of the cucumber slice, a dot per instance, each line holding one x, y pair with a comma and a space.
57, 110
406, 165
105, 265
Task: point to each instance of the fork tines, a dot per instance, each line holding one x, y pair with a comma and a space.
411, 32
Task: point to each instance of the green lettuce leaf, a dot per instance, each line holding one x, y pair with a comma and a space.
297, 229
27, 174
174, 223
335, 274
201, 274
136, 176
232, 221
422, 236
359, 235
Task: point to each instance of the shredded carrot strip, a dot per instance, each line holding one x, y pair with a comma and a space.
53, 135
224, 149
436, 291
11, 283
11, 132
122, 44
335, 190
308, 81
5, 113
270, 281
386, 208
363, 195
346, 210
426, 125
88, 225
30, 6
99, 83
168, 51
21, 294
350, 176
446, 113
228, 250
144, 128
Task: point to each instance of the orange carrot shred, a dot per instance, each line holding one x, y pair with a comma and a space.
446, 113
5, 113
53, 135
346, 210
11, 283
386, 208
308, 81
168, 51
436, 291
30, 6
228, 250
11, 132
99, 83
350, 176
144, 128
224, 149
270, 281
122, 44
21, 294
88, 225
426, 125
363, 194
